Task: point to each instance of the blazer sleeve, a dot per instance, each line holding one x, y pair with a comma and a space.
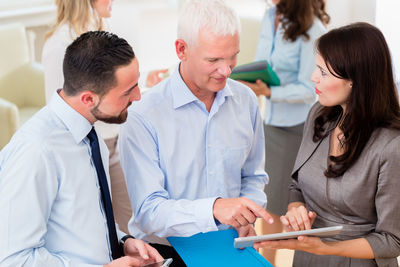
385, 240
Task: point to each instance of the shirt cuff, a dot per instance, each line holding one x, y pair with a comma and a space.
120, 234
204, 214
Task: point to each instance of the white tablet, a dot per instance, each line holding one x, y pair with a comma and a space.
242, 242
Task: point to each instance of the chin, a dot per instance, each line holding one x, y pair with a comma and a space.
215, 87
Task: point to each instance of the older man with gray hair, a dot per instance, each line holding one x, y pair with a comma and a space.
193, 149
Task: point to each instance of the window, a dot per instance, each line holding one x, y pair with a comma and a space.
388, 21
7, 5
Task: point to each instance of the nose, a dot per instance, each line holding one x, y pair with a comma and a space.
314, 76
136, 95
225, 69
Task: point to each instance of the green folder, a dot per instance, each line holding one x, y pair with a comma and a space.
256, 70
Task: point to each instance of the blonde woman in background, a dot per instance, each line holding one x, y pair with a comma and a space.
74, 18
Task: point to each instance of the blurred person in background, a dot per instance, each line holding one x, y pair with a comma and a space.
288, 32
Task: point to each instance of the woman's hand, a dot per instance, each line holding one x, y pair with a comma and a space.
305, 243
259, 88
154, 77
297, 218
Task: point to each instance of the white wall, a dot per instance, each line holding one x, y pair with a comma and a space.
343, 12
150, 25
388, 20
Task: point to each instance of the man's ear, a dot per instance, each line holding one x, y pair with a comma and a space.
181, 48
89, 99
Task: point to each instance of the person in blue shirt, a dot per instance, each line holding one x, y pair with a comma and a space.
55, 205
288, 32
193, 149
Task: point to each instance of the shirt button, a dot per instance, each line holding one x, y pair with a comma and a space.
209, 146
211, 172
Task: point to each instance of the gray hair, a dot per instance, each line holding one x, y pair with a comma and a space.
213, 15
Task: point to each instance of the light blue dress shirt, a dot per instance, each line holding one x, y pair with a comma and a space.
178, 157
50, 204
294, 63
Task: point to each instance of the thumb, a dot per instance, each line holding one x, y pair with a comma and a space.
140, 246
131, 262
312, 215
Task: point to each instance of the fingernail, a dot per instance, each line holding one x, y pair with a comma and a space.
146, 257
271, 221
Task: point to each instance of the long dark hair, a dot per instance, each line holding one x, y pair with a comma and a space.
298, 16
358, 53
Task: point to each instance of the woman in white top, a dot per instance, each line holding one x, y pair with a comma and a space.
75, 17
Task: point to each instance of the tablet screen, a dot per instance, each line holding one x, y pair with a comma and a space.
249, 241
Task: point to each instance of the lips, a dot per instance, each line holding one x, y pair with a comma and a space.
220, 80
318, 92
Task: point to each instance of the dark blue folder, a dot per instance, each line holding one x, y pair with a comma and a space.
216, 249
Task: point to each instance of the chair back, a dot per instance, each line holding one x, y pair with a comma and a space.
14, 51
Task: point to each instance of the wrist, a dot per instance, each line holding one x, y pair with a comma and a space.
268, 92
330, 248
123, 241
213, 208
295, 205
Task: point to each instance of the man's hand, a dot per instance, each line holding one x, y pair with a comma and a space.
154, 77
139, 250
239, 212
247, 230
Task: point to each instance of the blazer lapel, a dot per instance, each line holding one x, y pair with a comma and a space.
308, 147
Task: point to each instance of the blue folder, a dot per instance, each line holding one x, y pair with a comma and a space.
215, 249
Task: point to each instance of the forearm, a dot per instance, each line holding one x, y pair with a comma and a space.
39, 257
355, 248
169, 217
254, 178
293, 93
253, 189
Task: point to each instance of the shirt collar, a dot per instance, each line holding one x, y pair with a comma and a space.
182, 95
78, 125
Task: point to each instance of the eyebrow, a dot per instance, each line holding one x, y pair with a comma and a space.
130, 89
217, 58
321, 68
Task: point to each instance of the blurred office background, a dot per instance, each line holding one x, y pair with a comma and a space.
150, 27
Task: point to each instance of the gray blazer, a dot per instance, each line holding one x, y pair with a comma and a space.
365, 200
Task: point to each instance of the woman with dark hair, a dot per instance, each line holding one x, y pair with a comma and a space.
289, 30
347, 169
